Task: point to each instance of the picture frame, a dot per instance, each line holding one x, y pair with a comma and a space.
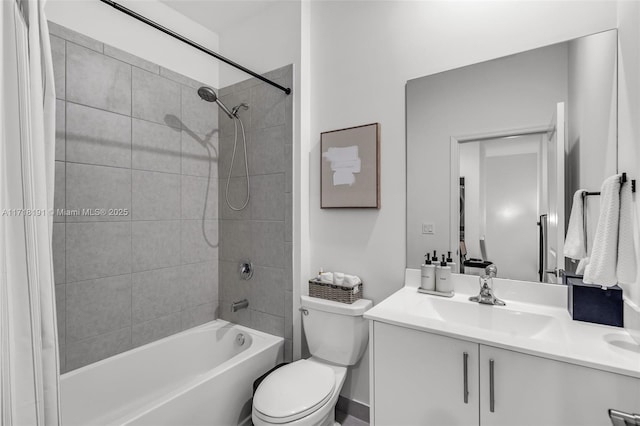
350, 167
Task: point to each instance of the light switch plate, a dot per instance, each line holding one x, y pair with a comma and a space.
428, 228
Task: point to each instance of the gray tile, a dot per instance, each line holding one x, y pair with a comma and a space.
59, 255
288, 350
288, 265
288, 216
199, 116
288, 315
247, 84
98, 187
226, 145
268, 106
156, 195
156, 244
199, 283
60, 130
97, 80
62, 356
155, 329
155, 147
59, 191
232, 288
99, 137
200, 241
268, 323
61, 313
198, 315
199, 197
99, 249
235, 240
266, 151
199, 154
98, 306
288, 175
224, 91
156, 293
127, 57
267, 290
58, 56
278, 73
267, 193
73, 36
179, 78
87, 351
237, 196
267, 240
242, 317
155, 98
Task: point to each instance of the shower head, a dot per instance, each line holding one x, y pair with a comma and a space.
209, 95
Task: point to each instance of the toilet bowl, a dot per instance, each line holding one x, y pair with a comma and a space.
305, 392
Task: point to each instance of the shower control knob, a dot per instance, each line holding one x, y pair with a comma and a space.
246, 269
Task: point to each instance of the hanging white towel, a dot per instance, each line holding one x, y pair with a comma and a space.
603, 260
626, 267
575, 243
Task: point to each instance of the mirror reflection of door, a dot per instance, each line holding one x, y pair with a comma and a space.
502, 198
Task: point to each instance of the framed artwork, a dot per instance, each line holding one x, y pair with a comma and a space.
350, 167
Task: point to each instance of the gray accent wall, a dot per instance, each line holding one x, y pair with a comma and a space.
133, 135
263, 231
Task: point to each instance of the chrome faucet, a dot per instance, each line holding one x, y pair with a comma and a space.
486, 295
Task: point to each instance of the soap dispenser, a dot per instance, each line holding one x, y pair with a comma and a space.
428, 272
450, 262
434, 258
443, 277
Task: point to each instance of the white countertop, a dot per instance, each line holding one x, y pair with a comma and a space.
535, 321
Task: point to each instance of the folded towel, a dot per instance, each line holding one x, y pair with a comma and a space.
626, 267
338, 278
351, 280
575, 243
603, 260
326, 277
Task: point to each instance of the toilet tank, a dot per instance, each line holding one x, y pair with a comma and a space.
336, 332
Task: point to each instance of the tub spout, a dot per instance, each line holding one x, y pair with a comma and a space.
242, 304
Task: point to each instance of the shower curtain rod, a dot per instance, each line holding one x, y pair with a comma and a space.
191, 43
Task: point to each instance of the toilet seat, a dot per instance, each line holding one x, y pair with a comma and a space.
294, 391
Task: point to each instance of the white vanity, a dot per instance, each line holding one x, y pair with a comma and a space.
449, 361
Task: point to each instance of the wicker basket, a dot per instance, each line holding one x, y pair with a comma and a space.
336, 293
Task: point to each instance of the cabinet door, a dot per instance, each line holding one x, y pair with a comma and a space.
419, 378
529, 390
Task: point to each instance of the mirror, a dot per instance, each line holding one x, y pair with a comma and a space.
496, 150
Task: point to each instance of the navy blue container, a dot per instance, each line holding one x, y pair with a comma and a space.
590, 303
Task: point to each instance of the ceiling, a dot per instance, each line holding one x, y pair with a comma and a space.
218, 15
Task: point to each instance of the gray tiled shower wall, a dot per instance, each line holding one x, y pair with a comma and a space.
263, 231
131, 135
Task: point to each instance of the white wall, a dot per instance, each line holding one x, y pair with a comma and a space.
104, 23
362, 54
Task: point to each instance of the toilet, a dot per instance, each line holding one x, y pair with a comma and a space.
305, 392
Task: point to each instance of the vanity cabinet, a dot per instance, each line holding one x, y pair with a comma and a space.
419, 379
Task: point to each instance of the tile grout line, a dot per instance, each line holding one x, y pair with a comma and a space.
131, 193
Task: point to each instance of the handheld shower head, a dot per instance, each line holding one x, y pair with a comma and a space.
209, 95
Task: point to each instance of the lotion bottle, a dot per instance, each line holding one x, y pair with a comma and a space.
428, 272
443, 277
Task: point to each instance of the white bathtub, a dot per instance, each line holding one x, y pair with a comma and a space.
202, 376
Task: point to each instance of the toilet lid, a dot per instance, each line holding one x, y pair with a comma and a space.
293, 391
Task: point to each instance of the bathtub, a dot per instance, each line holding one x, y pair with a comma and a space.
202, 376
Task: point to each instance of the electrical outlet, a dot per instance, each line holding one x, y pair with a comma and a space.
428, 228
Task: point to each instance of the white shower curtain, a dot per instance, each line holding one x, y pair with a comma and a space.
29, 372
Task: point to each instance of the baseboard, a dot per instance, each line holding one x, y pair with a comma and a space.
353, 408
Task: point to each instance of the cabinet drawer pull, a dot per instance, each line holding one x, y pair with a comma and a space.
492, 396
465, 368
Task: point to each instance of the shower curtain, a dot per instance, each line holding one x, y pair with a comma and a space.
28, 337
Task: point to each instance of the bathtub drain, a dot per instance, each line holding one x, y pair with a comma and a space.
240, 339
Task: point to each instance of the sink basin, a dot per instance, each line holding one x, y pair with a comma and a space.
495, 318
